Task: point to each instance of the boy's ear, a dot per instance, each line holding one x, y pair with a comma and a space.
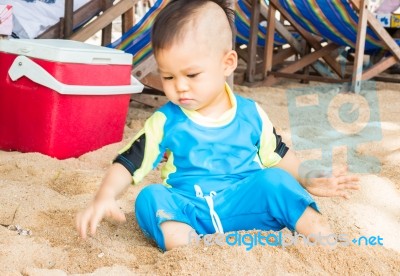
230, 62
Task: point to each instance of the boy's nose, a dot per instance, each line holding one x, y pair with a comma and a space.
181, 85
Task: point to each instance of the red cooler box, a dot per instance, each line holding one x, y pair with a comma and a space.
62, 98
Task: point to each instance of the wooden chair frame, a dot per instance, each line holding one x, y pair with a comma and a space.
297, 48
366, 18
109, 12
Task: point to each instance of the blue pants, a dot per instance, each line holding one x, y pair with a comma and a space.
270, 199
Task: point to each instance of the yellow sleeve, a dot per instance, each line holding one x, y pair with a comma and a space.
272, 149
144, 151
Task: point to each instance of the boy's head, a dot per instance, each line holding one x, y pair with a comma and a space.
181, 17
192, 42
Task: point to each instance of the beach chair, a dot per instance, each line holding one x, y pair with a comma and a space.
341, 24
95, 15
250, 39
279, 40
137, 41
75, 21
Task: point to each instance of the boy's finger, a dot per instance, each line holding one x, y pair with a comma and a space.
82, 223
97, 216
79, 224
345, 195
351, 186
118, 215
341, 171
348, 179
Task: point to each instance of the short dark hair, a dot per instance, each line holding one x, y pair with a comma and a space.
172, 19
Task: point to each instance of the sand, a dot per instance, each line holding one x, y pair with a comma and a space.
44, 194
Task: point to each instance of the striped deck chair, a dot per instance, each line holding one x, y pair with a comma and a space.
254, 34
244, 35
137, 41
242, 23
343, 24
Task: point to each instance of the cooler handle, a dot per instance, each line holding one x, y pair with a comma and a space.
23, 66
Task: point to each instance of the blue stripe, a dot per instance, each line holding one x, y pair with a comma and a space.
337, 28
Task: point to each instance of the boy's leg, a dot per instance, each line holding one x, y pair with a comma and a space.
312, 224
164, 216
271, 199
177, 234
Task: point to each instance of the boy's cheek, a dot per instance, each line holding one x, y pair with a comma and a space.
166, 88
169, 93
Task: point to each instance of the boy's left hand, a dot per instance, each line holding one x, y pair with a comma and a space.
338, 184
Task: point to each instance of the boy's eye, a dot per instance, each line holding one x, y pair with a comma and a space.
167, 78
193, 75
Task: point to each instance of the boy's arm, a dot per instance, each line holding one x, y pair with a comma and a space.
130, 166
104, 204
318, 182
273, 152
144, 152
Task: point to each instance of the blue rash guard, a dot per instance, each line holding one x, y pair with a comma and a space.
217, 177
210, 153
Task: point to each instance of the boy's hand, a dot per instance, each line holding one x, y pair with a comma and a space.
96, 211
338, 184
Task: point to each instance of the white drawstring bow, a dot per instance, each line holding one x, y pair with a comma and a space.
214, 216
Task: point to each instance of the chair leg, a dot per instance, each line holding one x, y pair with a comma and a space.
360, 46
107, 30
269, 42
308, 37
68, 17
380, 31
303, 62
306, 69
127, 19
252, 47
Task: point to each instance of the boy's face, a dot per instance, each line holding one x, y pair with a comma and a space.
193, 74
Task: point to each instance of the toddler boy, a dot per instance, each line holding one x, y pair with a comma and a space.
227, 169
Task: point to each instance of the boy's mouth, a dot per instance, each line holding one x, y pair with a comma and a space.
184, 100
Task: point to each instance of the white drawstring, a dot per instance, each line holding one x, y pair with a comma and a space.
214, 216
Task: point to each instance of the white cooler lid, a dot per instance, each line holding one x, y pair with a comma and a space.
67, 51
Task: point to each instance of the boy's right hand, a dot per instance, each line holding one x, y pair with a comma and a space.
95, 212
326, 184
